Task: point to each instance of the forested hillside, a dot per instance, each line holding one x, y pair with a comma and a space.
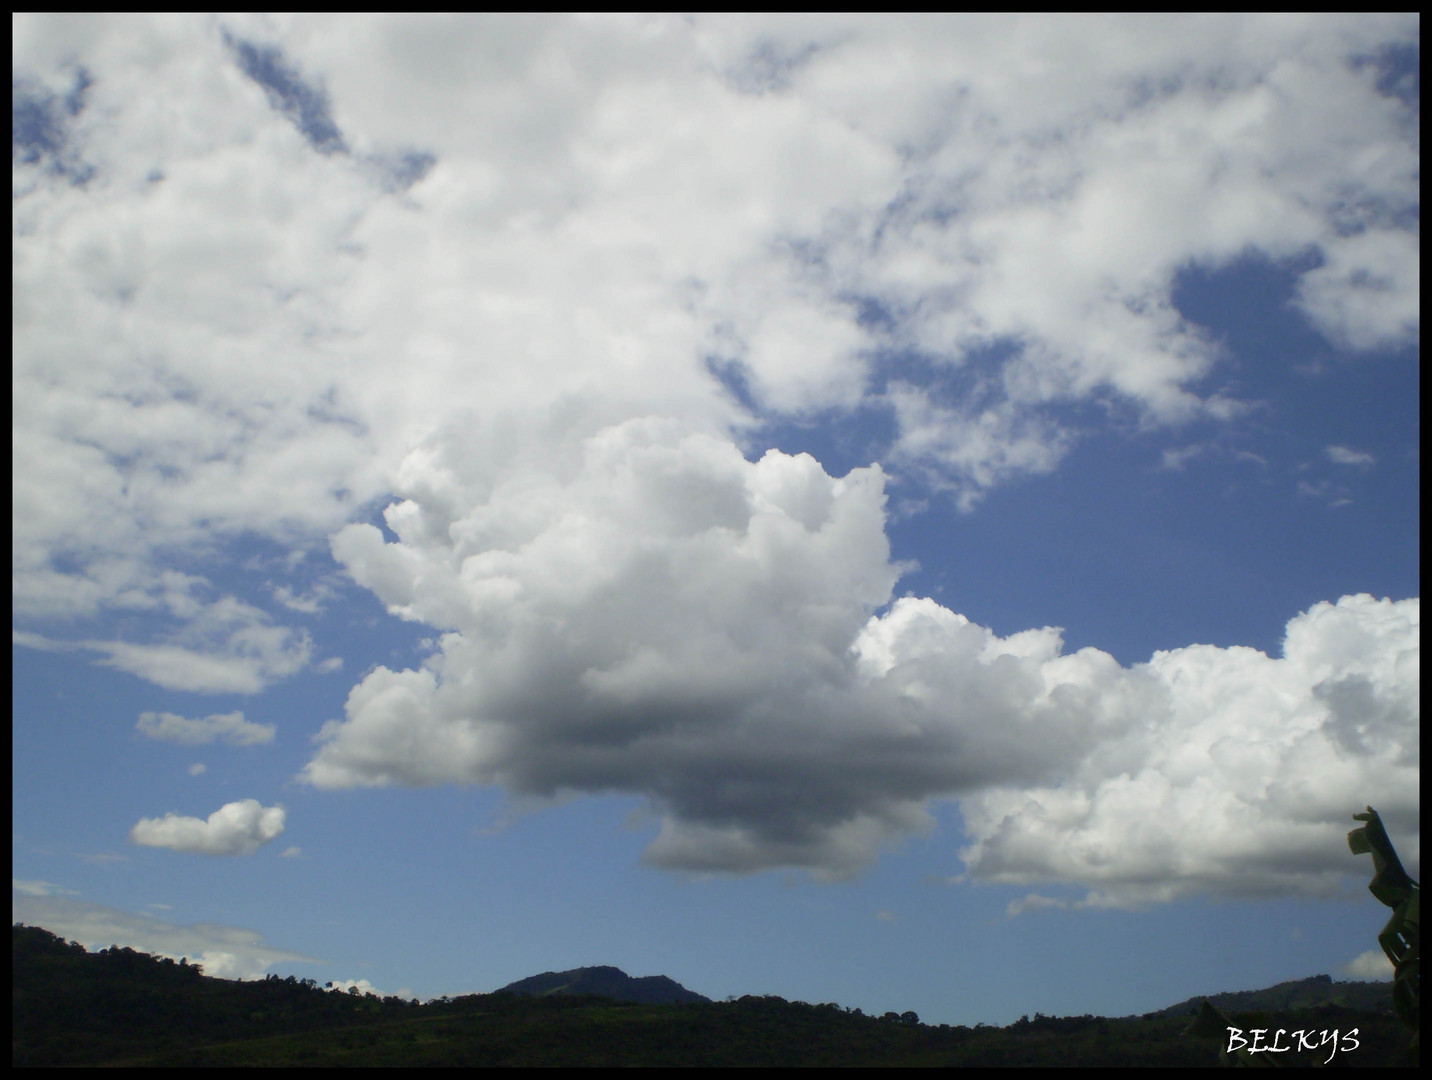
121, 1007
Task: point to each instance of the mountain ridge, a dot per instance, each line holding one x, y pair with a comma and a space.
1293, 994
70, 1007
608, 982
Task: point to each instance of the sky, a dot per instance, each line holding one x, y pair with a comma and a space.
914, 512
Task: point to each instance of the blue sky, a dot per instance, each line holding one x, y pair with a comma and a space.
918, 513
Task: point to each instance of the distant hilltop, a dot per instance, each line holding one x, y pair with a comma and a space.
607, 982
1298, 994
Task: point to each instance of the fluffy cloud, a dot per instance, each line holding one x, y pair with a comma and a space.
363, 986
236, 828
224, 952
230, 727
677, 622
544, 296
1369, 965
243, 321
1237, 773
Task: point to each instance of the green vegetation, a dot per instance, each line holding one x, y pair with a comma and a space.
607, 982
121, 1007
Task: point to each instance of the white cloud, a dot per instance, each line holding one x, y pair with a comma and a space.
310, 604
214, 336
232, 728
224, 646
236, 828
251, 662
1034, 902
363, 986
28, 640
1176, 458
103, 858
1236, 773
677, 622
1345, 455
38, 888
1369, 965
224, 952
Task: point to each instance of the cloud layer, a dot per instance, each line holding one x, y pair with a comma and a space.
236, 828
250, 321
539, 305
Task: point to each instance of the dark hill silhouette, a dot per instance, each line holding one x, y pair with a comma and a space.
607, 982
1297, 994
118, 1007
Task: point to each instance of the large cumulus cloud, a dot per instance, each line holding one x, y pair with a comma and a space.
674, 621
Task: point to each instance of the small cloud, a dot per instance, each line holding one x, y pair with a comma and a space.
1370, 965
198, 769
1345, 455
27, 640
291, 853
363, 986
311, 604
333, 663
1334, 494
103, 858
1175, 459
1033, 902
886, 916
254, 657
238, 828
39, 888
231, 727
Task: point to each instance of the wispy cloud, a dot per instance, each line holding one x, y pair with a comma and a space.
225, 952
40, 888
1344, 455
231, 728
